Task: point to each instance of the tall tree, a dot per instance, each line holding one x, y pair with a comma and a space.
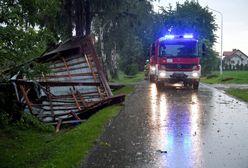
23, 29
126, 31
190, 17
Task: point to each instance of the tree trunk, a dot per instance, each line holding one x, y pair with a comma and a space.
87, 17
79, 18
103, 55
114, 65
68, 7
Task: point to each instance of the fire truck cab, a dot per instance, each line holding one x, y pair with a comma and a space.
174, 59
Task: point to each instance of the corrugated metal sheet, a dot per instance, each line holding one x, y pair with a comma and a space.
75, 85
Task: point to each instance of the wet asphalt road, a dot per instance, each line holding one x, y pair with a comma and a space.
175, 128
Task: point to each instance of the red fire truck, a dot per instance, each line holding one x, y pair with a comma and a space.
174, 59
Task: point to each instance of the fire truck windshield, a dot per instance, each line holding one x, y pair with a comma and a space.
178, 49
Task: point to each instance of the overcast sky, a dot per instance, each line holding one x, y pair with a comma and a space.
235, 21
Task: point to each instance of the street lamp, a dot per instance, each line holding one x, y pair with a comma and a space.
221, 38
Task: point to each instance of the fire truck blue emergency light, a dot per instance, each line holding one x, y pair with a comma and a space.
169, 36
188, 36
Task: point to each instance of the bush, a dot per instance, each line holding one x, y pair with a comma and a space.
132, 69
227, 79
29, 121
4, 119
10, 109
212, 76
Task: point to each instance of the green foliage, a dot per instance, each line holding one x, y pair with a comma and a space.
129, 30
130, 26
190, 17
125, 79
131, 69
239, 67
4, 119
10, 111
23, 35
34, 70
210, 62
29, 121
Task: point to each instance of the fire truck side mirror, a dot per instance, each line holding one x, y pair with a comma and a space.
204, 50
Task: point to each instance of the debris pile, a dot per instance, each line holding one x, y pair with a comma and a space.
75, 85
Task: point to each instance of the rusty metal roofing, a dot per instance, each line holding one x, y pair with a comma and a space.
75, 84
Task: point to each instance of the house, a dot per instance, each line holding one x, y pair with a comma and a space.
234, 59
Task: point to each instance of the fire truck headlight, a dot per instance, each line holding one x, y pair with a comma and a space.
195, 74
162, 74
153, 68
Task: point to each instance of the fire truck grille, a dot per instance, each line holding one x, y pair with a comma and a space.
179, 66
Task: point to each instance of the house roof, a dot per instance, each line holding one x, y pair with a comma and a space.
230, 54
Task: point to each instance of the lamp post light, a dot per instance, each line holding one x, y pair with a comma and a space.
221, 38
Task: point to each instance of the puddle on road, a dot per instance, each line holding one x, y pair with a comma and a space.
191, 127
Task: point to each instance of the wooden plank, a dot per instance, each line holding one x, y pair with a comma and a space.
29, 104
93, 74
75, 115
81, 98
75, 99
72, 90
67, 122
58, 125
89, 48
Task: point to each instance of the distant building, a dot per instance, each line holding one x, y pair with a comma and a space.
234, 59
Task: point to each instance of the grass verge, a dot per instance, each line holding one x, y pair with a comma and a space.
125, 79
240, 93
33, 147
238, 77
39, 147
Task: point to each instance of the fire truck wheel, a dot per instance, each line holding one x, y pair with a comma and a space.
159, 85
152, 78
195, 85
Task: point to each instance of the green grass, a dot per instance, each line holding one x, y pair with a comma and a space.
40, 146
37, 148
237, 77
240, 93
125, 79
125, 90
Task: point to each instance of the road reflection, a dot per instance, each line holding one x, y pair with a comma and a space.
175, 122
